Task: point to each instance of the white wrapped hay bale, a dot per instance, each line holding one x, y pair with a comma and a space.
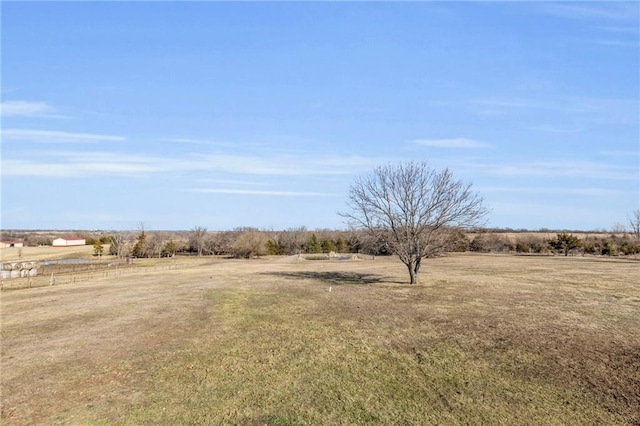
28, 265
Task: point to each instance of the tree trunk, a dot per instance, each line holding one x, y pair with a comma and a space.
414, 267
412, 263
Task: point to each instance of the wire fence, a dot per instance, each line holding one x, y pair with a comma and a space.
62, 274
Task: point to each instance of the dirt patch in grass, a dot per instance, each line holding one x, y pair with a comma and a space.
484, 339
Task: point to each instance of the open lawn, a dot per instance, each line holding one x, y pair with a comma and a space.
485, 339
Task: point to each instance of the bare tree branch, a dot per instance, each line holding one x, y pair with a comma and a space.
414, 208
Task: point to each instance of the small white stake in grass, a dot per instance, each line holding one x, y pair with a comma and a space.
329, 289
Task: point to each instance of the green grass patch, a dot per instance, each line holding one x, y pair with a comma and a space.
269, 359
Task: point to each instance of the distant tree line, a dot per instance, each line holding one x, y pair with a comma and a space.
248, 242
562, 243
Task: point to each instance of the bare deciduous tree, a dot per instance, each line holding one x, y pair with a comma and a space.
249, 243
634, 221
292, 239
413, 208
198, 239
120, 244
155, 244
220, 242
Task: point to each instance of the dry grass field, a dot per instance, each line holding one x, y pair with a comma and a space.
485, 339
13, 254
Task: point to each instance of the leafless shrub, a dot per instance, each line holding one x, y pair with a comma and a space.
250, 243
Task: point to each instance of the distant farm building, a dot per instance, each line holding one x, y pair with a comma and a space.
68, 242
4, 244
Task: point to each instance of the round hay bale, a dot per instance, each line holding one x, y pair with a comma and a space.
6, 267
16, 266
27, 265
33, 272
24, 273
15, 273
5, 275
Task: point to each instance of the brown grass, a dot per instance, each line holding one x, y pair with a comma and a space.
23, 254
484, 340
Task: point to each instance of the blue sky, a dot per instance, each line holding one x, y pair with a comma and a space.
262, 114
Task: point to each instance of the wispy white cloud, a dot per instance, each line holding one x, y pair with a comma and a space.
281, 144
615, 11
620, 153
607, 110
80, 164
589, 192
261, 192
233, 182
187, 140
349, 163
28, 109
553, 169
449, 143
593, 110
54, 136
620, 29
36, 169
614, 19
286, 165
510, 105
622, 43
493, 106
557, 129
243, 171
192, 141
90, 163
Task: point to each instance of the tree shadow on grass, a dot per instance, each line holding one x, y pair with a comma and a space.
336, 278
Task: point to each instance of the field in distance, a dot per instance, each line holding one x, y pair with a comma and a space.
20, 254
485, 339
